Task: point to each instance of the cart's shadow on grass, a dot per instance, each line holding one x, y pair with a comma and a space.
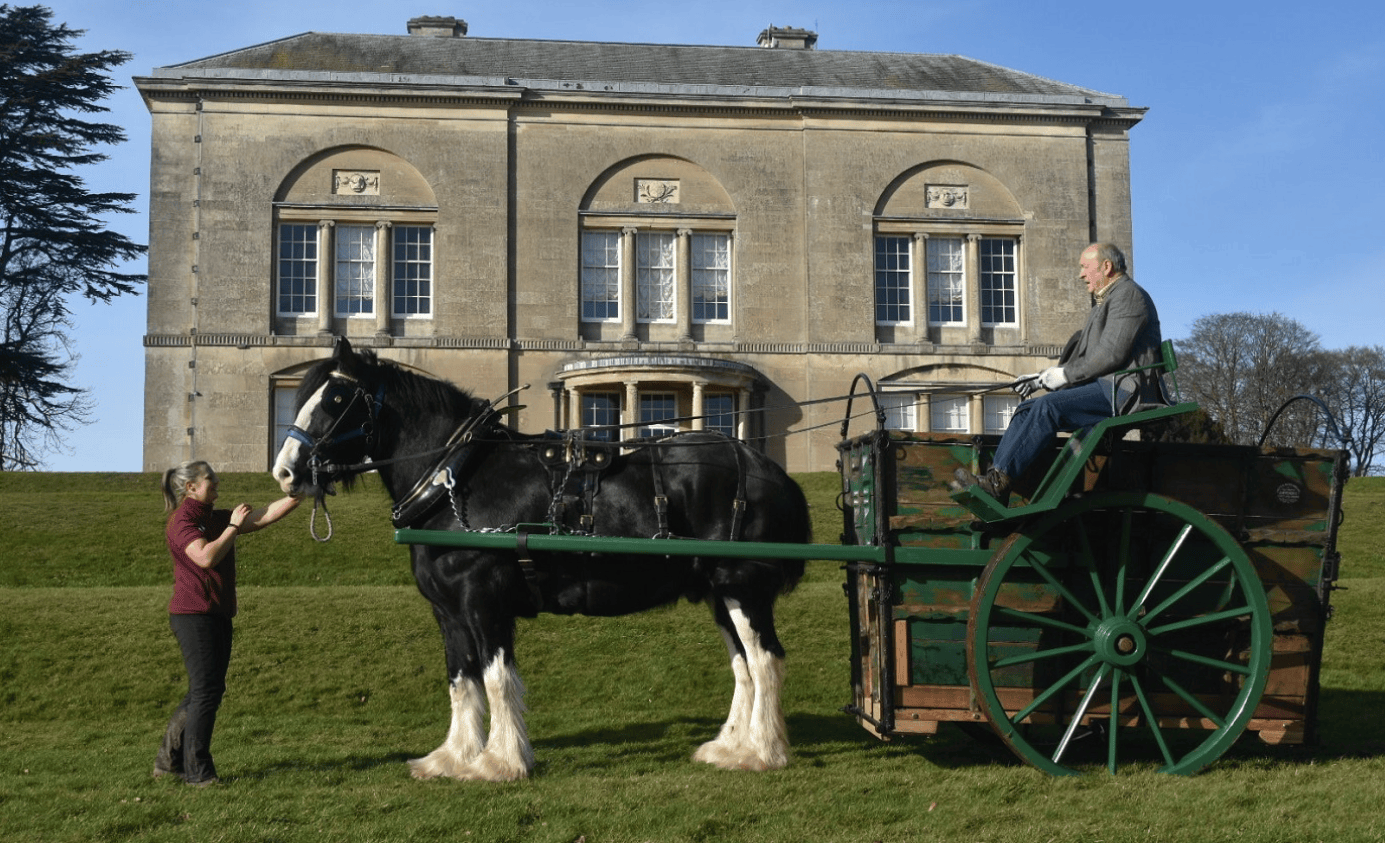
1349, 728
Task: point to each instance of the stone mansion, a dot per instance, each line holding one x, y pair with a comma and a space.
648, 235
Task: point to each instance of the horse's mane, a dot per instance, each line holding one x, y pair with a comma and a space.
410, 388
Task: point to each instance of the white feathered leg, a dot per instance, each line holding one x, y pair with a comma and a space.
726, 748
465, 738
759, 739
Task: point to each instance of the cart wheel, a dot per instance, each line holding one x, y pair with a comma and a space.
1124, 602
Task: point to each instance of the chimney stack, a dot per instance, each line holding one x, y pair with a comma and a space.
437, 27
787, 38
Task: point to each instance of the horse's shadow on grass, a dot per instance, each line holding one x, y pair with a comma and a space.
1347, 729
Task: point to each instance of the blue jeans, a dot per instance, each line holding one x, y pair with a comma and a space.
187, 745
1036, 422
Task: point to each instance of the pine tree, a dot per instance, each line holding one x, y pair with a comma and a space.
54, 246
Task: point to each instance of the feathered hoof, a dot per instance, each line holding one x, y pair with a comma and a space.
729, 756
485, 767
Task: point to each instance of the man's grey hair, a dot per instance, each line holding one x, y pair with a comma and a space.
1109, 252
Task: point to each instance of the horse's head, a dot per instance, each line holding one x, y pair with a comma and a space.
334, 427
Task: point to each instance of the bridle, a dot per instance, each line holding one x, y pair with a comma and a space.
317, 446
331, 438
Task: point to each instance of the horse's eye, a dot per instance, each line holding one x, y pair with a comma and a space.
336, 399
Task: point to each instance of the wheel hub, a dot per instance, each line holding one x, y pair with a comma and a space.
1120, 641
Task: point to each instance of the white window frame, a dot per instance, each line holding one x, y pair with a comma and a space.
656, 276
964, 282
600, 276
719, 420
996, 412
354, 255
309, 278
901, 410
677, 270
946, 285
605, 429
416, 260
949, 413
379, 265
987, 277
654, 410
895, 281
711, 277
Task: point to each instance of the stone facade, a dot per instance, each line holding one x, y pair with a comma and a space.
634, 231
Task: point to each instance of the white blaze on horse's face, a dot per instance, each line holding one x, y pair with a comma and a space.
288, 454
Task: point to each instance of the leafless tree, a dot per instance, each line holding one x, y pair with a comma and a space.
1356, 395
1243, 367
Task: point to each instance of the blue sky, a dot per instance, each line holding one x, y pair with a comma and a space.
1254, 175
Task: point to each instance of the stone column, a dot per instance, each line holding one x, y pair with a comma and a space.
683, 285
326, 270
973, 282
631, 414
384, 296
628, 293
698, 405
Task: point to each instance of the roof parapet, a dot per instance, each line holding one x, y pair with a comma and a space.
437, 27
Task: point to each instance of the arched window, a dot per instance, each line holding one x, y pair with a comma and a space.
354, 245
657, 254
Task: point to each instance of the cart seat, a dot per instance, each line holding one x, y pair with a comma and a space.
1080, 447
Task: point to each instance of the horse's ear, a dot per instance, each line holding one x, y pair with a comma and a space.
344, 355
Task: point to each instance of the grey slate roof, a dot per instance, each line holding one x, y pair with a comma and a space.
635, 67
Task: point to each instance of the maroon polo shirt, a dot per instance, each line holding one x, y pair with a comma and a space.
200, 591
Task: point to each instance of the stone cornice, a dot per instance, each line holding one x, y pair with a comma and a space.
546, 96
246, 341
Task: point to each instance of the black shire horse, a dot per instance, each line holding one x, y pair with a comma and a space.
449, 463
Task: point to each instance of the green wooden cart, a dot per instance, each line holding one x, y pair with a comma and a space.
1147, 601
1148, 604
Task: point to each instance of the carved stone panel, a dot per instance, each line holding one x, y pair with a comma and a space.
656, 191
954, 196
358, 182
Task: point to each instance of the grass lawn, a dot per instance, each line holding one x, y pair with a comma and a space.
337, 678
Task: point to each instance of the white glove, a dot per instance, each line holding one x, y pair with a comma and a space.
1053, 378
1027, 385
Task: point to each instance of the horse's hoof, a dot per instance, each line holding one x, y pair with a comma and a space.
733, 757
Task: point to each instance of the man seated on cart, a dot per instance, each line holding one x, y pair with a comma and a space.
1122, 332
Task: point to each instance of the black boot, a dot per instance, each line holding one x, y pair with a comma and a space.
169, 761
994, 483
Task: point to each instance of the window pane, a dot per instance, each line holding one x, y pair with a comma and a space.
600, 276
711, 277
892, 280
997, 281
656, 408
297, 269
355, 279
655, 266
284, 413
948, 414
413, 270
998, 410
601, 410
719, 413
900, 412
947, 291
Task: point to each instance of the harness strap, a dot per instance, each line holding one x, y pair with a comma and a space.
738, 505
660, 498
526, 565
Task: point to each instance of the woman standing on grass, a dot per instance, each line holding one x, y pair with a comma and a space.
203, 543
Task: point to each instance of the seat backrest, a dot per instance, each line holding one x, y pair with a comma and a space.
1171, 366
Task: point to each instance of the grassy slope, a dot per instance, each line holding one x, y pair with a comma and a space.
332, 687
